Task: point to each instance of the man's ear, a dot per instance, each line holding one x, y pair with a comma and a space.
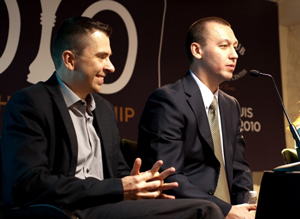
68, 59
196, 50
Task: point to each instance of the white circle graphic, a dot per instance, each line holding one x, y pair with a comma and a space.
116, 7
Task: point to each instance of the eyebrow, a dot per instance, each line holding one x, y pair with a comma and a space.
236, 42
103, 53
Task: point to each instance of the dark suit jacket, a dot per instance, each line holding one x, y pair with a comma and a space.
39, 152
174, 128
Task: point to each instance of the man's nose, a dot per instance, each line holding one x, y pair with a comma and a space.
109, 67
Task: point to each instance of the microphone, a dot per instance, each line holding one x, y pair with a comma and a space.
256, 73
293, 129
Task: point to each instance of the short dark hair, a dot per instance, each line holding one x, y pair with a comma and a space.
197, 33
71, 36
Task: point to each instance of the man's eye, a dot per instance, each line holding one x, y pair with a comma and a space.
224, 46
101, 55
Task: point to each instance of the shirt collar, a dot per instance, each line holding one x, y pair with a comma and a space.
206, 93
71, 98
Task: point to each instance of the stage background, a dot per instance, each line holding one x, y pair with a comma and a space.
148, 45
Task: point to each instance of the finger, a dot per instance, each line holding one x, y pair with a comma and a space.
159, 176
166, 173
136, 167
251, 207
153, 174
248, 206
148, 195
155, 168
152, 185
167, 186
164, 196
158, 184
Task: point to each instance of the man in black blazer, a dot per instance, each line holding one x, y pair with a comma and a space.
174, 126
60, 143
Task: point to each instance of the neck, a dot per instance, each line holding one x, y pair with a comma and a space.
206, 80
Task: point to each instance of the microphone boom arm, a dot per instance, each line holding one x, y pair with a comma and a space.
293, 129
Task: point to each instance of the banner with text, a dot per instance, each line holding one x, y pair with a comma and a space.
148, 45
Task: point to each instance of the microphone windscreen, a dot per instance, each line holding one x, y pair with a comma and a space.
254, 73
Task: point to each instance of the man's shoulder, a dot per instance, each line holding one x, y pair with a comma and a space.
36, 90
33, 98
228, 98
226, 95
170, 88
167, 91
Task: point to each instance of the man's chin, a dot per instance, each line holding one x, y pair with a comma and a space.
97, 89
227, 76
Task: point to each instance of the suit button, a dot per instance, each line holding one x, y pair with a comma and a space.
211, 192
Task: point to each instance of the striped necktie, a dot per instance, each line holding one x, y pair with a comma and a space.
222, 191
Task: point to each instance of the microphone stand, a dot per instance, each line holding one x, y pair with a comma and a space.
293, 129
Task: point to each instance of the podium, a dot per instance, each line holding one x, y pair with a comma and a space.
279, 195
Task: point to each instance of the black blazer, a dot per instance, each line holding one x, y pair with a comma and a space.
174, 128
39, 151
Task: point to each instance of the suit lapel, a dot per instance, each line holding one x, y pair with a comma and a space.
102, 123
194, 98
53, 88
226, 129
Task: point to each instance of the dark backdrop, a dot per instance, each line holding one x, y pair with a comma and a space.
148, 51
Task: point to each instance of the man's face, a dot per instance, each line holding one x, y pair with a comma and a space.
219, 55
92, 65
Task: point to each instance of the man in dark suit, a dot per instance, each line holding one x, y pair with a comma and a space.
60, 143
175, 127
